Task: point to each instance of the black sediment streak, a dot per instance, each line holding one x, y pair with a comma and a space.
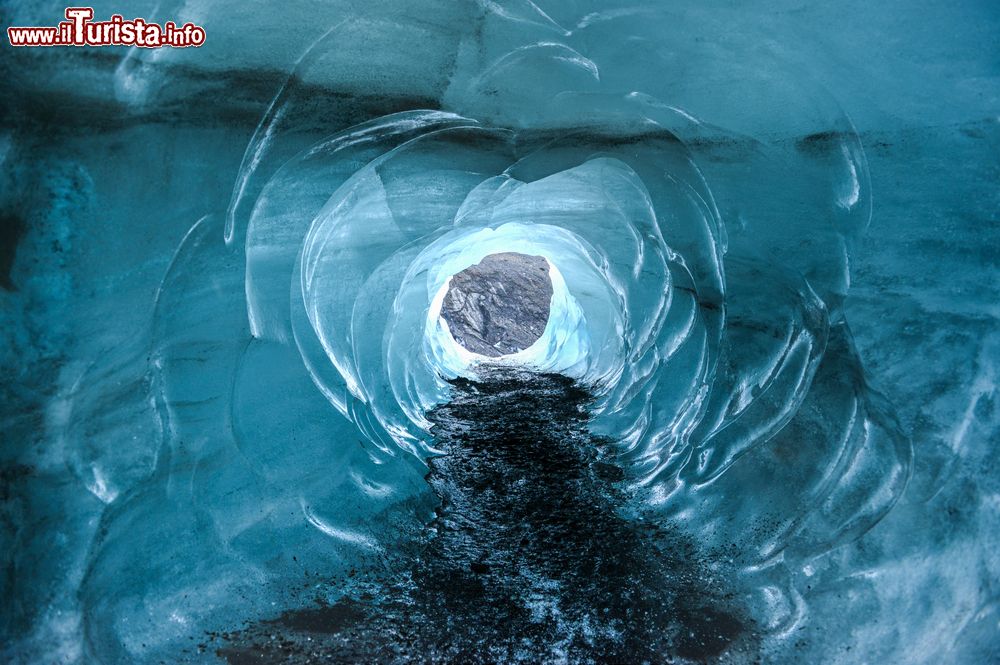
530, 558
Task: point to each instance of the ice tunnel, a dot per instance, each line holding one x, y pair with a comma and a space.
553, 331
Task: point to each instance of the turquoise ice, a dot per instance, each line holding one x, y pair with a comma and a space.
773, 238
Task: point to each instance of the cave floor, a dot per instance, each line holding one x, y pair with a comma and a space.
529, 557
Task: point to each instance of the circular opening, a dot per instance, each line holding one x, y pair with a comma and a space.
499, 306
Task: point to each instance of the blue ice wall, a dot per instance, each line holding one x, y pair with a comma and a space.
777, 228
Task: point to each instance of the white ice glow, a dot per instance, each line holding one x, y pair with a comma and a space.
427, 353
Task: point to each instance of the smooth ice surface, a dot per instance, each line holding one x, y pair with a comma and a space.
772, 233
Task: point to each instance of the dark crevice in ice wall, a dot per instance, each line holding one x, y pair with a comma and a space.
529, 559
231, 98
48, 112
12, 227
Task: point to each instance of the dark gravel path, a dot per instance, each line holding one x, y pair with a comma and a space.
529, 559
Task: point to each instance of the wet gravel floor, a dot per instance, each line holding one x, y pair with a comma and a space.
529, 559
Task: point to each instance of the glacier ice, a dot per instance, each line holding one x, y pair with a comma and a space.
773, 251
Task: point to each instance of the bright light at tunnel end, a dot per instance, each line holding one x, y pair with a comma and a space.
538, 355
564, 344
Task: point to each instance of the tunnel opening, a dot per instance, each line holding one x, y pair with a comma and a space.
499, 306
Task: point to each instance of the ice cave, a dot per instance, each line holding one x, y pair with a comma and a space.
500, 331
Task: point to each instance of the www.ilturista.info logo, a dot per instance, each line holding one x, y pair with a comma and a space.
80, 30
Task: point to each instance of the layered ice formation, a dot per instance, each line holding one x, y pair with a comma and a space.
245, 384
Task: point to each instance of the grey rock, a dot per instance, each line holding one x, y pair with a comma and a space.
500, 305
